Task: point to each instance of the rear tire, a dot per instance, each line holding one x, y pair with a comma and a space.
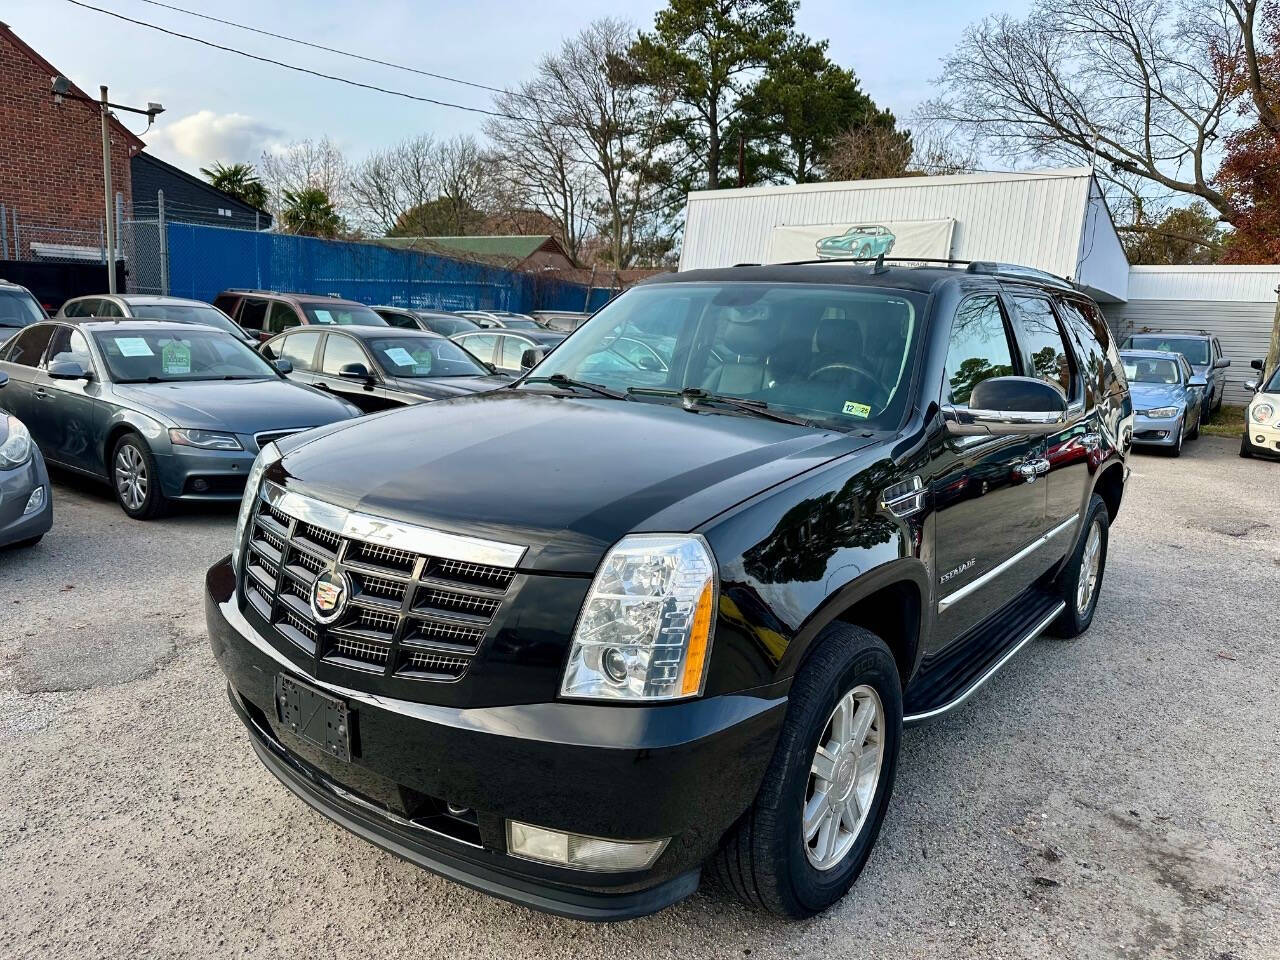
135, 480
767, 859
1089, 560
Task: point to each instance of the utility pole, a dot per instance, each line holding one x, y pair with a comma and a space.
742, 160
62, 90
106, 182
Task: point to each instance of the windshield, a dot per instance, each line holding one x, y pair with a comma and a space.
423, 357
449, 325
18, 309
164, 356
1194, 349
1273, 385
1150, 370
838, 355
342, 314
187, 313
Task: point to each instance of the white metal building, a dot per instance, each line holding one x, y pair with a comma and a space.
1055, 220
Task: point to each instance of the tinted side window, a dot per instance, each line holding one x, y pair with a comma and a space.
979, 349
227, 304
1084, 324
513, 349
109, 308
253, 313
300, 348
480, 346
77, 309
283, 317
397, 319
28, 347
1047, 355
338, 352
68, 343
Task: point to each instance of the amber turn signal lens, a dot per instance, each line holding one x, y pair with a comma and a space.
698, 637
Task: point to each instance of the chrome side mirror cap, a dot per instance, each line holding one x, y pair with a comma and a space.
1008, 406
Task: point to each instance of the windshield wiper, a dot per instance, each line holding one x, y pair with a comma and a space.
560, 380
698, 395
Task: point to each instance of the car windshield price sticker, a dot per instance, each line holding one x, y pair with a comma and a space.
323, 316
133, 347
852, 409
175, 358
400, 356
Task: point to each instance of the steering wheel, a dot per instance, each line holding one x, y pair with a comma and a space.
870, 387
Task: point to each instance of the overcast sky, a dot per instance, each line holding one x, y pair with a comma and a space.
224, 107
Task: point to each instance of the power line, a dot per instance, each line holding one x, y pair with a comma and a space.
344, 53
298, 69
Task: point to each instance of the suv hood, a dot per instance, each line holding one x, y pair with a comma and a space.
241, 406
565, 476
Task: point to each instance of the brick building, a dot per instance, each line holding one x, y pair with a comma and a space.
51, 160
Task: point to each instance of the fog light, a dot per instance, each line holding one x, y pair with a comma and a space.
1258, 439
199, 485
35, 502
577, 852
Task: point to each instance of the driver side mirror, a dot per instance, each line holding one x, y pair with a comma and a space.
284, 365
531, 358
68, 370
1008, 406
356, 371
1197, 381
1256, 364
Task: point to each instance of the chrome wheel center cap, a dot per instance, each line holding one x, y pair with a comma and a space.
845, 772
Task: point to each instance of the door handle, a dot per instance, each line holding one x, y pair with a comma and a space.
321, 385
43, 394
1028, 470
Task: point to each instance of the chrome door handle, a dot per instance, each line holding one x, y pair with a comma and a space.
43, 394
1028, 470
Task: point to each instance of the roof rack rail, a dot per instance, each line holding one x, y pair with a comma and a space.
881, 258
1018, 272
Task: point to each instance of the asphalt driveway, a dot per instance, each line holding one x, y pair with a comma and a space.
1113, 796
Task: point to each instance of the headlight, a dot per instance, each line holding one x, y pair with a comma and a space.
645, 628
270, 454
204, 439
16, 449
1261, 412
1161, 413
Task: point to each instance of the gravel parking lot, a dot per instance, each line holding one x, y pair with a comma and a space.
1113, 796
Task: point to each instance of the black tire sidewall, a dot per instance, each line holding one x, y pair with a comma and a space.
1073, 621
849, 657
155, 501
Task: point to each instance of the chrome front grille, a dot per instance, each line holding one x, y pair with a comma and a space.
411, 614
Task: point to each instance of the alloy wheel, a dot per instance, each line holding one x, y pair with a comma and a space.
132, 482
843, 777
1090, 567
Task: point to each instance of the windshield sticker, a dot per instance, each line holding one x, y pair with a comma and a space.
323, 316
175, 358
399, 356
852, 409
133, 347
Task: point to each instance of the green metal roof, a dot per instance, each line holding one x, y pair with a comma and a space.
514, 248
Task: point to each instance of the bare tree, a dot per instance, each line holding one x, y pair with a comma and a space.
461, 175
388, 183
307, 165
537, 164
1145, 89
604, 105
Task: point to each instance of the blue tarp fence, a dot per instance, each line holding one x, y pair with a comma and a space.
205, 260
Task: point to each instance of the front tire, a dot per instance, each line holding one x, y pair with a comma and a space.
1081, 581
1246, 448
807, 836
1176, 449
135, 480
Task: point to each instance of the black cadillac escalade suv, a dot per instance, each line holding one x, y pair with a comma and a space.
668, 601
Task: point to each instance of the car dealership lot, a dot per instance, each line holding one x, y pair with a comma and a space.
1109, 796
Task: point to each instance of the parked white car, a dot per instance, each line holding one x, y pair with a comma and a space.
1262, 417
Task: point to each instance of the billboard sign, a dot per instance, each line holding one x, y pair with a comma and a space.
927, 239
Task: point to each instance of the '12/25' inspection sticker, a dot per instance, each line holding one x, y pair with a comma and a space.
852, 409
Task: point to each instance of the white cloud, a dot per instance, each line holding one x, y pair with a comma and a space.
203, 138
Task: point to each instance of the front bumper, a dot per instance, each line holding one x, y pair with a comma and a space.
203, 475
1153, 432
685, 771
1263, 438
16, 487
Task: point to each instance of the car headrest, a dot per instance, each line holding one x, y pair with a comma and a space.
746, 337
839, 337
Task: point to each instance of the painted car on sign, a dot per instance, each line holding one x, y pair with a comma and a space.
868, 240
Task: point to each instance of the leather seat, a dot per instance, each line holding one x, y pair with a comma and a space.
745, 370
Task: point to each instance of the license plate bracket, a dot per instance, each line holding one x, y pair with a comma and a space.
314, 716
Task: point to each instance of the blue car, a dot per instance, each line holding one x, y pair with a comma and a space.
1202, 350
1168, 398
